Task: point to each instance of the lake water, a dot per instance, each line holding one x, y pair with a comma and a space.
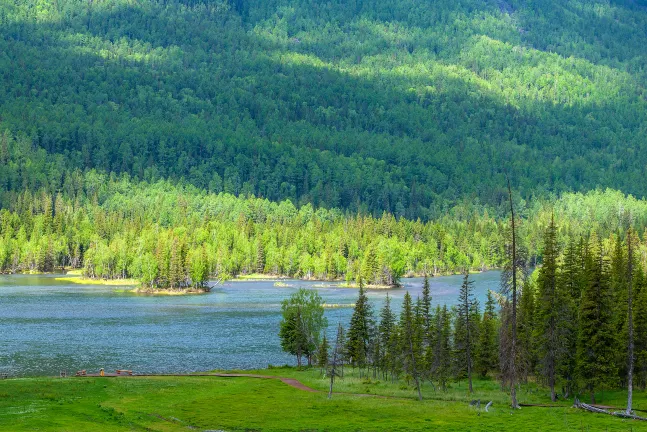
47, 326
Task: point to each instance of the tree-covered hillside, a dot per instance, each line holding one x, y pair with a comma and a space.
374, 105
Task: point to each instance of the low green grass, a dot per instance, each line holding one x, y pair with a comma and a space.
246, 404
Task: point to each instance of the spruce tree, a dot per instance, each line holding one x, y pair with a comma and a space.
640, 327
552, 311
619, 289
385, 331
322, 353
571, 281
596, 339
426, 329
359, 331
466, 329
526, 351
487, 359
426, 306
410, 341
441, 364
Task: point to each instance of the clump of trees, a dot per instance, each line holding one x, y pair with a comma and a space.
302, 326
578, 326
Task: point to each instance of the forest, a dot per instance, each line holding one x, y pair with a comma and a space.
577, 325
167, 234
367, 106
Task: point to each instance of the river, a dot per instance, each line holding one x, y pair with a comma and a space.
47, 326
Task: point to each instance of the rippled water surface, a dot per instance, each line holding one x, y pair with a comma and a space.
47, 326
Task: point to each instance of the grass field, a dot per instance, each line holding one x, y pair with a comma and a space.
237, 404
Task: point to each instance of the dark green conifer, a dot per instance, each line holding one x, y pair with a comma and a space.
359, 331
487, 357
552, 311
596, 339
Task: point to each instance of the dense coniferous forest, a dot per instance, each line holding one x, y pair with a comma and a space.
575, 316
405, 107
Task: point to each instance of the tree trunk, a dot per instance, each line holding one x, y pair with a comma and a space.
630, 324
513, 351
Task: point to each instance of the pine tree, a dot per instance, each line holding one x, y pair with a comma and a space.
410, 340
322, 353
426, 330
619, 289
441, 364
571, 281
551, 312
526, 351
640, 327
487, 349
260, 257
175, 265
426, 306
385, 331
359, 331
466, 329
596, 340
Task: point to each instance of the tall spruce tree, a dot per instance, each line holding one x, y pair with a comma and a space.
410, 341
386, 329
466, 329
526, 346
596, 340
487, 358
640, 327
426, 306
441, 364
552, 311
322, 353
571, 281
426, 330
619, 289
359, 331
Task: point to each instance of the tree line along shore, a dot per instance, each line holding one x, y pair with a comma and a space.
576, 325
179, 237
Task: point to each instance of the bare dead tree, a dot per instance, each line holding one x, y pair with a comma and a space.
515, 270
630, 322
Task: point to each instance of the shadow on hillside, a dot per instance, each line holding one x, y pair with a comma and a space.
252, 116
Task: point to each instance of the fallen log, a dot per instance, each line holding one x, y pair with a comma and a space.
591, 408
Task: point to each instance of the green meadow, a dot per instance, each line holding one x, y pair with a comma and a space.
250, 404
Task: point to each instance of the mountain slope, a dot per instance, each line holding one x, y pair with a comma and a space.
401, 106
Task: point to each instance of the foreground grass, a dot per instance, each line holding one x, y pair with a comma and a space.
210, 403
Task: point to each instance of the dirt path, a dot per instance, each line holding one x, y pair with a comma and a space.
292, 382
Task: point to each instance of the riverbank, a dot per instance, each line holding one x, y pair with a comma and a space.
168, 292
178, 403
81, 280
